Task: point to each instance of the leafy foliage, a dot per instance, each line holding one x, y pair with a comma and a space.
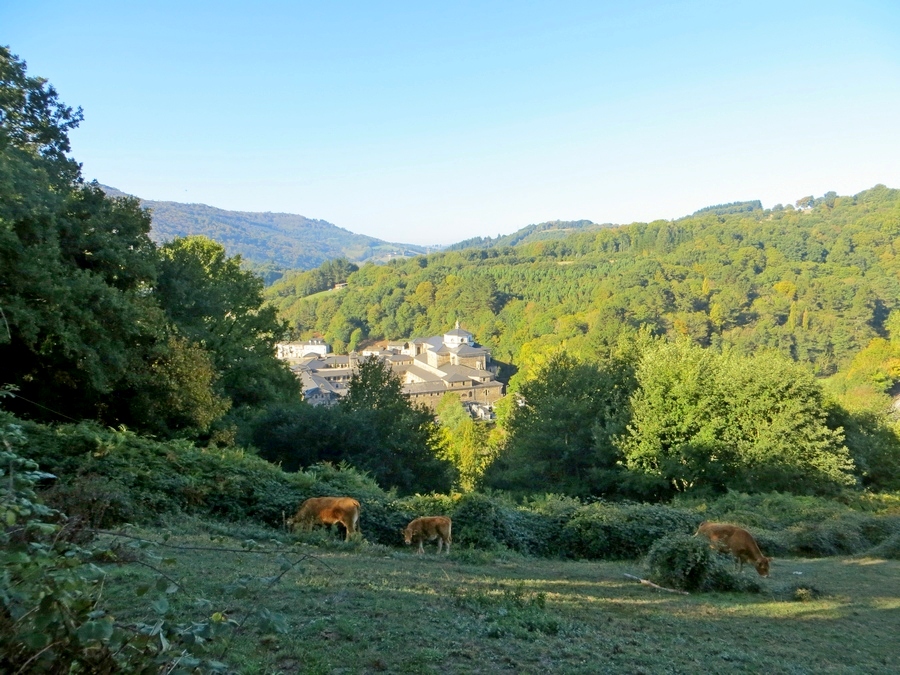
217, 304
688, 563
470, 445
51, 620
375, 429
94, 323
560, 429
702, 420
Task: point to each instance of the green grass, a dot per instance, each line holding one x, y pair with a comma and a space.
360, 608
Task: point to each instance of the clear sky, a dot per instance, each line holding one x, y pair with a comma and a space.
429, 123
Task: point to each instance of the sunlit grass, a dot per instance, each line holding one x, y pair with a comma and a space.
365, 609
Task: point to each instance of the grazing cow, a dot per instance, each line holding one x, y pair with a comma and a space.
327, 511
738, 542
429, 528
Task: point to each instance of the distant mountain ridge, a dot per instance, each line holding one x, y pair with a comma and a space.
272, 240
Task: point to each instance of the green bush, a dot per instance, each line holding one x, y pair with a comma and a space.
845, 535
680, 561
96, 501
889, 548
688, 563
51, 619
622, 531
430, 505
478, 522
770, 510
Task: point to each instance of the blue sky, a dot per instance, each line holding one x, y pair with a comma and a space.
429, 123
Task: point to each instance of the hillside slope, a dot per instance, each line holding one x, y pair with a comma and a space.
553, 229
817, 284
281, 240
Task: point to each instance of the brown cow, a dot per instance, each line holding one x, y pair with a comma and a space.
429, 528
327, 511
738, 542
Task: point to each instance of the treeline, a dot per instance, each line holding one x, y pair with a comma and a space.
100, 323
659, 418
554, 229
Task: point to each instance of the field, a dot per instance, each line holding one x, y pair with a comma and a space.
361, 608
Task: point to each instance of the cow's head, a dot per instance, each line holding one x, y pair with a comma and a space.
407, 535
762, 566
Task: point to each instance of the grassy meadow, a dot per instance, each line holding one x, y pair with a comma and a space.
365, 608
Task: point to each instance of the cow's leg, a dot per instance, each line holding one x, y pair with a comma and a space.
448, 547
421, 547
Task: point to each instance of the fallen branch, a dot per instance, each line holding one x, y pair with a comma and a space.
645, 582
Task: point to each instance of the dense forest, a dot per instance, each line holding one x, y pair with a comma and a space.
734, 349
554, 229
816, 282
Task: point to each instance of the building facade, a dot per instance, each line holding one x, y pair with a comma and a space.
428, 368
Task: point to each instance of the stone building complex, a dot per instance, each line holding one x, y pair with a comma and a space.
427, 367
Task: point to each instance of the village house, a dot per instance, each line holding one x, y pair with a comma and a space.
428, 368
294, 352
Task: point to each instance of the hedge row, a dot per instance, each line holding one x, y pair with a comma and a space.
114, 476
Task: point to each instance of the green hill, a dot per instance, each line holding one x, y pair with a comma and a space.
273, 240
554, 229
815, 283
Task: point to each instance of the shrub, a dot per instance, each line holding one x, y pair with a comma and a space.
847, 534
622, 531
478, 522
771, 510
889, 548
490, 522
688, 563
680, 561
50, 592
430, 505
97, 501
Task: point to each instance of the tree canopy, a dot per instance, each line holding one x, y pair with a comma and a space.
375, 428
95, 321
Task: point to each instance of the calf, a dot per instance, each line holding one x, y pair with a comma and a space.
738, 542
327, 511
429, 528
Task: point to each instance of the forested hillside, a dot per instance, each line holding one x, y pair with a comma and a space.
816, 283
554, 229
267, 240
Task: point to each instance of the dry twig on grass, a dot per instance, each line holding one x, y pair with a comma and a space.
645, 582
